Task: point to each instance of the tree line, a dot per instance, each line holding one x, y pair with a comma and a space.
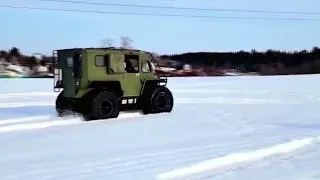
14, 56
270, 62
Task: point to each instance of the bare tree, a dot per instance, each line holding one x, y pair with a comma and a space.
155, 55
126, 42
107, 42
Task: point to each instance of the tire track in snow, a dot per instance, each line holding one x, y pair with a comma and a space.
238, 158
29, 94
35, 122
26, 104
24, 120
123, 165
107, 167
41, 122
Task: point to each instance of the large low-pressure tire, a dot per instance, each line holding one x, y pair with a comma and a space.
158, 101
64, 106
105, 105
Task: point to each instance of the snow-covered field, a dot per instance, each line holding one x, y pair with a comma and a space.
221, 128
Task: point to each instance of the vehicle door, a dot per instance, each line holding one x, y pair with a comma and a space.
132, 83
72, 73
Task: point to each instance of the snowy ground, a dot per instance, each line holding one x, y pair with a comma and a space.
273, 122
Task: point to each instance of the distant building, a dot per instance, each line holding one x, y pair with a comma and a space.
187, 68
40, 70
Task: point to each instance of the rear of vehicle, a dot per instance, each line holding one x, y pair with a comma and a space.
69, 71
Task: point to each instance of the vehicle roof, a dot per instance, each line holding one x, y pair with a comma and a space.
103, 49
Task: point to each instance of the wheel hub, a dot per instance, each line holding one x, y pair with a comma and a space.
161, 101
105, 107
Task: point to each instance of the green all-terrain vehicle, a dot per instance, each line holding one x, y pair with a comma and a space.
99, 82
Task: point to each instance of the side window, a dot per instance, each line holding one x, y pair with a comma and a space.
131, 63
116, 63
146, 67
100, 62
69, 62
